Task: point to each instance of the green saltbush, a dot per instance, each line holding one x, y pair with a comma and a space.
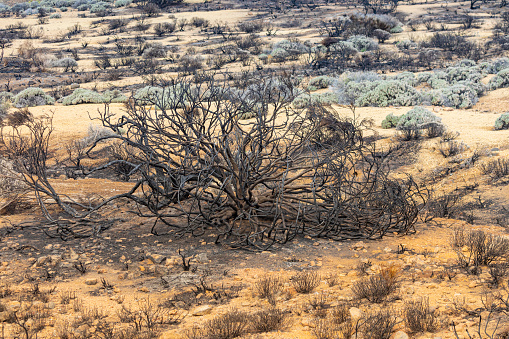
502, 121
32, 96
416, 120
500, 80
163, 98
405, 45
362, 43
319, 83
390, 92
390, 121
87, 96
279, 54
304, 100
57, 15
457, 96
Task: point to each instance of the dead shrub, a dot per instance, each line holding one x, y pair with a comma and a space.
327, 329
496, 168
305, 282
419, 317
451, 148
268, 287
379, 324
482, 248
267, 320
232, 324
377, 288
498, 272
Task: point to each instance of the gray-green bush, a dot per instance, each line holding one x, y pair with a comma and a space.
32, 96
414, 122
502, 121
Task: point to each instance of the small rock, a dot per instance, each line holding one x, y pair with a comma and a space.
91, 281
202, 258
42, 260
308, 322
202, 310
400, 335
155, 258
355, 313
50, 305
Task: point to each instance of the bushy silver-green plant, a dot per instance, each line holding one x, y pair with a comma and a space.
122, 3
342, 49
406, 77
32, 96
497, 65
114, 96
319, 82
155, 50
390, 92
68, 64
56, 15
82, 96
414, 122
87, 96
362, 43
406, 45
6, 96
500, 80
390, 121
502, 121
279, 54
457, 96
292, 48
396, 30
305, 100
462, 73
163, 97
350, 85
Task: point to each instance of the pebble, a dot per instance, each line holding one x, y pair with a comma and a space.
355, 313
91, 281
202, 310
399, 335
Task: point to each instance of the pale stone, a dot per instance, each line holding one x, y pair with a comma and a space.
355, 313
91, 281
399, 335
202, 310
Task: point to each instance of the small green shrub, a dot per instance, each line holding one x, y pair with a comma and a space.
457, 96
362, 43
305, 100
279, 54
406, 45
502, 121
68, 64
390, 121
391, 92
416, 120
500, 80
32, 96
57, 15
87, 96
320, 82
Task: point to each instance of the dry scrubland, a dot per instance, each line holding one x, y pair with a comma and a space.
254, 169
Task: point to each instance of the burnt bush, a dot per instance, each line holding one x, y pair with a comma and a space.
268, 287
377, 288
305, 282
496, 168
232, 324
267, 320
419, 317
379, 324
481, 248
